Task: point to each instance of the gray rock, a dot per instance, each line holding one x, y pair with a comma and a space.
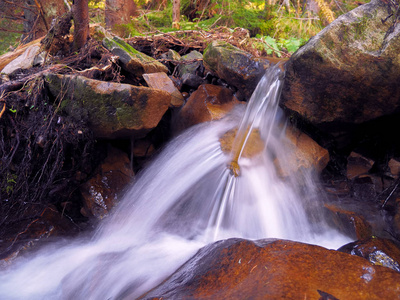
237, 67
349, 73
132, 60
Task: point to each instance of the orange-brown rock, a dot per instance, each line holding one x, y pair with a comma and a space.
143, 147
254, 144
303, 153
48, 223
358, 165
381, 252
207, 103
350, 222
277, 269
161, 81
102, 191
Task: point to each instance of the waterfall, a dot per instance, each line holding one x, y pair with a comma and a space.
193, 193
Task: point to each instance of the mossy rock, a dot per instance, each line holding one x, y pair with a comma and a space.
349, 72
196, 62
112, 110
237, 67
132, 60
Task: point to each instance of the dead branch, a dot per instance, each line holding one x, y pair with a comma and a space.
19, 83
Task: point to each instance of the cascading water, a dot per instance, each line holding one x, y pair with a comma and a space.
192, 194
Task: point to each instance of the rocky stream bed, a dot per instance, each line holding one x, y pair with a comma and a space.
75, 129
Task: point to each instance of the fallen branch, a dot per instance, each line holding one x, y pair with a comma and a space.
17, 84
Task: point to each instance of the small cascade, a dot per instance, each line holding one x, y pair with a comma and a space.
192, 194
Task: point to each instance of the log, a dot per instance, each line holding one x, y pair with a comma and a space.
8, 57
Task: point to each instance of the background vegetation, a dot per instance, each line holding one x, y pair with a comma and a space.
277, 24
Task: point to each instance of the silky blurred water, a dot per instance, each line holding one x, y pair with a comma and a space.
184, 200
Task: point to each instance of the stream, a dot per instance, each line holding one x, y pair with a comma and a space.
192, 194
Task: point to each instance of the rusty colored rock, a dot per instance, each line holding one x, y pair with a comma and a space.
143, 148
350, 222
394, 166
161, 81
49, 223
276, 269
207, 103
303, 153
102, 191
254, 144
381, 252
358, 165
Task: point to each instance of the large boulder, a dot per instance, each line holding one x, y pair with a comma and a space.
112, 110
237, 67
277, 269
348, 73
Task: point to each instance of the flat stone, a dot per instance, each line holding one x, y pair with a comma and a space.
161, 81
24, 61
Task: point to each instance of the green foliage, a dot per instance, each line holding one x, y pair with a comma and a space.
9, 39
276, 47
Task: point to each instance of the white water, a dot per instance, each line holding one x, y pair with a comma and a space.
184, 200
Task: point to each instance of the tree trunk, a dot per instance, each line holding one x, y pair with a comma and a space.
80, 13
176, 13
119, 12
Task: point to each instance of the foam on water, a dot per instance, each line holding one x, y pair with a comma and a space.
184, 200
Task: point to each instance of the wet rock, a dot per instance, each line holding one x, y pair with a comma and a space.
24, 61
132, 60
381, 252
358, 165
192, 81
394, 167
48, 223
161, 81
143, 148
101, 193
208, 102
349, 222
364, 188
303, 153
237, 67
276, 269
396, 219
112, 110
349, 72
192, 63
254, 144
